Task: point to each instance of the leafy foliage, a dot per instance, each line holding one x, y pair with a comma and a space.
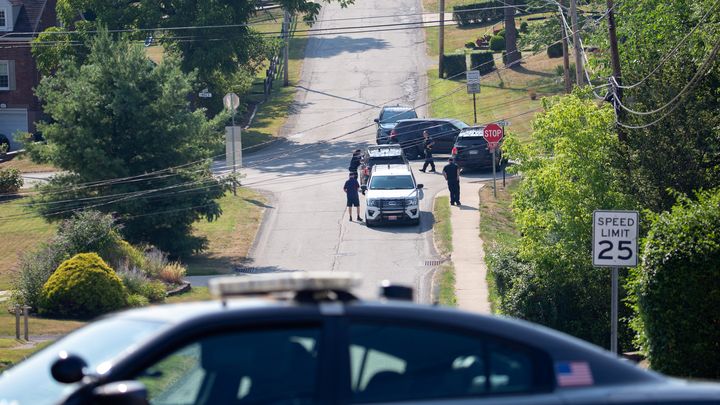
569, 172
497, 43
483, 61
555, 50
455, 65
82, 287
677, 289
120, 116
10, 181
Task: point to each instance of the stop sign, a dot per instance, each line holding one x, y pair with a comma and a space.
493, 133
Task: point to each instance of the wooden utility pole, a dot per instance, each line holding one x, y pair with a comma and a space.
286, 52
615, 59
566, 55
441, 39
576, 41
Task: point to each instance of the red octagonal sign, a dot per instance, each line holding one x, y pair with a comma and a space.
493, 133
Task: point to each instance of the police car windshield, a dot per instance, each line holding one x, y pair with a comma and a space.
391, 182
389, 116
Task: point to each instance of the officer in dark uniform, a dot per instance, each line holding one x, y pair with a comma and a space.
452, 174
429, 143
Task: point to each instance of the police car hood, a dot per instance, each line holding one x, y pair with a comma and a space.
402, 193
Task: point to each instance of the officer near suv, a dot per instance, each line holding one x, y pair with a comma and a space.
429, 143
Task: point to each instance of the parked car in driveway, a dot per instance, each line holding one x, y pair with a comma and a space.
380, 154
389, 116
471, 150
409, 135
304, 338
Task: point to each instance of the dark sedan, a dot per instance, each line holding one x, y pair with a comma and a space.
409, 134
326, 346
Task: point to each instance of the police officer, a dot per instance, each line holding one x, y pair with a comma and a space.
452, 175
429, 143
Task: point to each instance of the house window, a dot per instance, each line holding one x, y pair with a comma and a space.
4, 75
3, 19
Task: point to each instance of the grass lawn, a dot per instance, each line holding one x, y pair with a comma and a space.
505, 94
19, 235
442, 233
231, 236
497, 226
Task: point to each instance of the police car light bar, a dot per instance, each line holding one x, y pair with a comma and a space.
224, 287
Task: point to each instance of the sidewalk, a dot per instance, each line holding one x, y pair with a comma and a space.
468, 255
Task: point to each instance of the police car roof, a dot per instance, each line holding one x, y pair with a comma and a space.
391, 170
472, 132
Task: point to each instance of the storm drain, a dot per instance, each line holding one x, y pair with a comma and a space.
431, 263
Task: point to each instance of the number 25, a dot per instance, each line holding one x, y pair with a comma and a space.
623, 245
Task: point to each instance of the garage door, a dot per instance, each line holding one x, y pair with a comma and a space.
11, 121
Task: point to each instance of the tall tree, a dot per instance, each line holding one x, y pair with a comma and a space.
121, 117
511, 48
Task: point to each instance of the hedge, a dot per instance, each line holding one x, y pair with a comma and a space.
455, 65
488, 11
678, 289
497, 43
483, 61
10, 181
504, 57
555, 50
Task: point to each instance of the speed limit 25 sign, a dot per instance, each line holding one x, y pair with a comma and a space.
615, 236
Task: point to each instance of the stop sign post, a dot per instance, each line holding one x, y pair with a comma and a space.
493, 134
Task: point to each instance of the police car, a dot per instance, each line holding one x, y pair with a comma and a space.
304, 338
380, 154
392, 196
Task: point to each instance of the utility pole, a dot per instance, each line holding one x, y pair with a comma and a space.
566, 55
615, 58
286, 52
576, 42
512, 56
441, 40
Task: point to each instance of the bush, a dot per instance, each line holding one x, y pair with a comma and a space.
555, 50
477, 13
524, 27
173, 273
82, 287
455, 65
504, 57
501, 33
137, 300
133, 280
35, 269
470, 44
483, 61
678, 289
497, 43
10, 181
155, 262
155, 291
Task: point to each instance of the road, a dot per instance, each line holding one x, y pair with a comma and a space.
346, 79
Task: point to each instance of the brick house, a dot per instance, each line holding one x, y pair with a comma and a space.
20, 21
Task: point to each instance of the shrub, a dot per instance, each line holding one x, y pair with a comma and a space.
133, 280
35, 269
455, 65
504, 57
483, 61
137, 300
501, 33
532, 93
477, 13
155, 262
555, 50
10, 181
470, 44
173, 273
155, 291
82, 287
497, 43
524, 27
678, 289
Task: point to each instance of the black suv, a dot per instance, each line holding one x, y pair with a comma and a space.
471, 150
409, 134
389, 116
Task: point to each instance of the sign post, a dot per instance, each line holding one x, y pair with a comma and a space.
615, 236
473, 87
493, 134
231, 101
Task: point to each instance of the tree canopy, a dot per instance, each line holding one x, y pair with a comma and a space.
123, 130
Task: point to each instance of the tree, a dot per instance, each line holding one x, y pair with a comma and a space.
121, 117
567, 174
216, 41
513, 56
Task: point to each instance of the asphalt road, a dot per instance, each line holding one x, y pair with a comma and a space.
346, 79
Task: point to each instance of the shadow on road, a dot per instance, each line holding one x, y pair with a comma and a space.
325, 47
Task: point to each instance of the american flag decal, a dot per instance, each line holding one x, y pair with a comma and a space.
573, 373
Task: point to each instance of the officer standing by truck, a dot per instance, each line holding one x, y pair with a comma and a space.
429, 143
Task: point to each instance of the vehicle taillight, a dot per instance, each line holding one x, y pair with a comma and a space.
454, 150
366, 171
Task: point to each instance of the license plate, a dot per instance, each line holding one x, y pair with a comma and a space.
392, 217
473, 152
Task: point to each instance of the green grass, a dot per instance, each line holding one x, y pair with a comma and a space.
230, 236
195, 294
13, 355
497, 226
446, 285
442, 229
19, 235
